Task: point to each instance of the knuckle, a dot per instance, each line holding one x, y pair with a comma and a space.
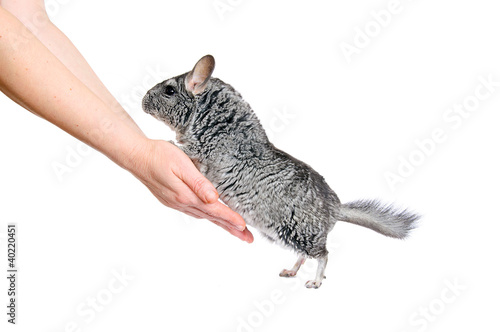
183, 200
198, 184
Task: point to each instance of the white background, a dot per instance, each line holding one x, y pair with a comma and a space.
352, 121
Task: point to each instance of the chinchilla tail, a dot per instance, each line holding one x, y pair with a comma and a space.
382, 218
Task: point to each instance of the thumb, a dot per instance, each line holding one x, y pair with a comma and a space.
197, 183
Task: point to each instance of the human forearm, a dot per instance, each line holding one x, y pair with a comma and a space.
34, 16
62, 98
60, 45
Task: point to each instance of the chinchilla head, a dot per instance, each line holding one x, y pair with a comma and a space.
200, 108
173, 101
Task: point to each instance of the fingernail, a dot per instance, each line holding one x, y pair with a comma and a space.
239, 228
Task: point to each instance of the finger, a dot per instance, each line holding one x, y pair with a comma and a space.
206, 215
244, 235
192, 214
205, 191
222, 213
248, 235
213, 211
190, 211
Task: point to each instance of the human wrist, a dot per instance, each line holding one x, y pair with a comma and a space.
121, 142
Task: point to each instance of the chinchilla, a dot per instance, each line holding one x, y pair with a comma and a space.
284, 198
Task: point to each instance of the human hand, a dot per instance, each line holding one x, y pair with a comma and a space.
172, 177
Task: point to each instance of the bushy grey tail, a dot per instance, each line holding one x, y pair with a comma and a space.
382, 218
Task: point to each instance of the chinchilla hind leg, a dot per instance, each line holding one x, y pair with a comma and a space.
295, 268
320, 273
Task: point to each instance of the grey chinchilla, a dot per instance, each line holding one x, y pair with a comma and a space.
284, 198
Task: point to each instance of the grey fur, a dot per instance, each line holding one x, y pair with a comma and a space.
385, 219
284, 198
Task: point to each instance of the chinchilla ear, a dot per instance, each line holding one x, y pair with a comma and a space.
197, 79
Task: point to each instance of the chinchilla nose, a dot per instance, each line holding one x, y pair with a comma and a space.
149, 97
147, 102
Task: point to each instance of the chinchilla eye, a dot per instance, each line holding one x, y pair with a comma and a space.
169, 90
